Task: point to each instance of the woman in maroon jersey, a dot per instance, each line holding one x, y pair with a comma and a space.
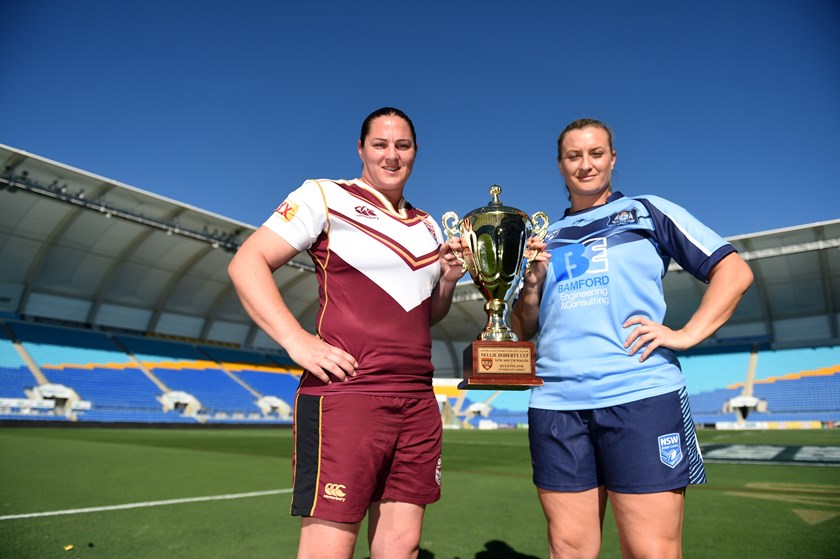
367, 425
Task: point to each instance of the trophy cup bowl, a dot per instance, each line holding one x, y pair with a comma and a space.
495, 236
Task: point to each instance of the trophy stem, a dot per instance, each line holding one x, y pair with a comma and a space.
497, 328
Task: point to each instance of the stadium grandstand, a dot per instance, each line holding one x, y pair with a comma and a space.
116, 308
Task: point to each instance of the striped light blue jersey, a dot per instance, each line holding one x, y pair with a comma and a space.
606, 266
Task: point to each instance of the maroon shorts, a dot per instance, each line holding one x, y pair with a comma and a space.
352, 450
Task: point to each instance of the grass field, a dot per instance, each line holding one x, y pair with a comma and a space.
145, 486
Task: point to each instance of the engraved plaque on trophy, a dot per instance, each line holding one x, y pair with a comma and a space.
495, 236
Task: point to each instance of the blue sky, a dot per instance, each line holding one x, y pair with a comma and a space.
729, 108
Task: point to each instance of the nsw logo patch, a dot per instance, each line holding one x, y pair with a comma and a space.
625, 217
670, 451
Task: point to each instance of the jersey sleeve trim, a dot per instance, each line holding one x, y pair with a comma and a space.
680, 235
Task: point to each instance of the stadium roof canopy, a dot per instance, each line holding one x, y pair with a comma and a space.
89, 251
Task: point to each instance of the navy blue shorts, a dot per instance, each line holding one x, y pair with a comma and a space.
646, 446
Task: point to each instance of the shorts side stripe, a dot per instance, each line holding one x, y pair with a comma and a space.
320, 444
307, 453
294, 448
696, 469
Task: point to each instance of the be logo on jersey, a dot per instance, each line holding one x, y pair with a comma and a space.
574, 260
670, 452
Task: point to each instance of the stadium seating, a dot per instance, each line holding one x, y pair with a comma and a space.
777, 363
282, 385
123, 379
707, 407
711, 371
800, 384
216, 391
14, 382
134, 416
9, 357
110, 388
799, 399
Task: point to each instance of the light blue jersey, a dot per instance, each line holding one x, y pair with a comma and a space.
606, 266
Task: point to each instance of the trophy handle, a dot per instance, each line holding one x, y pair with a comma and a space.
539, 225
450, 224
540, 229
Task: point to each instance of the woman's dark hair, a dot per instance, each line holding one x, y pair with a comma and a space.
386, 111
577, 125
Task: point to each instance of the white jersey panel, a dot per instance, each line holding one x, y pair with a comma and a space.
358, 233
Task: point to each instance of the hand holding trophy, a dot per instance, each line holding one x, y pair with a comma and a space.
494, 238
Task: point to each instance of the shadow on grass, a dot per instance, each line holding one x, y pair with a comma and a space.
494, 549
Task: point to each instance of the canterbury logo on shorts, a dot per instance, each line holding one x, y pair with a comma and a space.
335, 491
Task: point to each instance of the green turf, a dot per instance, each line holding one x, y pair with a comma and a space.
489, 508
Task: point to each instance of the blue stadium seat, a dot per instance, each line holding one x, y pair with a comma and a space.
282, 385
15, 381
9, 357
216, 391
112, 389
797, 384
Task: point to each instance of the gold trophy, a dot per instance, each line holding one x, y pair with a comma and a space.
495, 237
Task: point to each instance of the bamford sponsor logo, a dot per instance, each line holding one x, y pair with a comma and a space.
335, 491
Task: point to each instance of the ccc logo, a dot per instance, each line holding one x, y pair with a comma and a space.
365, 211
335, 490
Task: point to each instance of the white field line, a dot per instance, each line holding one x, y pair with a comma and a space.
147, 504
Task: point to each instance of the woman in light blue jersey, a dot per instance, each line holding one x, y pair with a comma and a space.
611, 422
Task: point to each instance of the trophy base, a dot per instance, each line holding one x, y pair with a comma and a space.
490, 365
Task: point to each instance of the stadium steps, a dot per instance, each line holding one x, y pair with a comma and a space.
12, 353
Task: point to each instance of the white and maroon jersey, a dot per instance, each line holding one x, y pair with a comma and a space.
377, 267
